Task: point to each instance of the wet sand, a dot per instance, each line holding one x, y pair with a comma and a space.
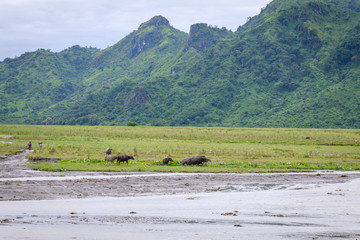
80, 205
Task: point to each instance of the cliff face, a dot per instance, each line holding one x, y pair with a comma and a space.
150, 34
203, 36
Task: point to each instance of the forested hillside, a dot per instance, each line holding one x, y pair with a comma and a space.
296, 64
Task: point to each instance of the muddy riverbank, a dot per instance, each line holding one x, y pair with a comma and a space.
81, 205
19, 182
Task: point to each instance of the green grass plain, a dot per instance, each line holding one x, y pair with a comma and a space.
82, 148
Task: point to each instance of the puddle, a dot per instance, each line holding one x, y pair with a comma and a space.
262, 187
92, 175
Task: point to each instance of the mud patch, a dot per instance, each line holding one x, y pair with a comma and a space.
40, 159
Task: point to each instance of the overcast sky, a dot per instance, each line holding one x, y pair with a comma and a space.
27, 25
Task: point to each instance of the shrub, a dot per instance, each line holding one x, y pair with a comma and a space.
131, 124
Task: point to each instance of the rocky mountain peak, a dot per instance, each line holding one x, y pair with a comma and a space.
156, 21
159, 21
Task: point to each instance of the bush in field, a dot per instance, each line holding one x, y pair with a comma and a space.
131, 124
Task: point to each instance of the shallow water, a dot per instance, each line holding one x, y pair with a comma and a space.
53, 176
319, 205
306, 212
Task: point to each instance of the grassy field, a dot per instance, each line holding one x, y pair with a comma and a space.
82, 148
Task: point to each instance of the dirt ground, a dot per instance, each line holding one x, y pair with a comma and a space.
19, 182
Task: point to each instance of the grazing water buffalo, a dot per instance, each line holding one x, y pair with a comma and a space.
124, 158
109, 158
108, 151
166, 160
195, 160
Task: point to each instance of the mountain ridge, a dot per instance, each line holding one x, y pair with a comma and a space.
295, 66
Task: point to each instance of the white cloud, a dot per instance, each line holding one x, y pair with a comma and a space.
26, 25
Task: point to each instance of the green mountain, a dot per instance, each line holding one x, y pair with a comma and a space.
276, 6
296, 64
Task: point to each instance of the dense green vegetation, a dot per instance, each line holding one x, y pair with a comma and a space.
296, 64
82, 148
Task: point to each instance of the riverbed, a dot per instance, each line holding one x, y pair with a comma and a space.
81, 205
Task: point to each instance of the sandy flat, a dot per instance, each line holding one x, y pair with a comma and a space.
78, 205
